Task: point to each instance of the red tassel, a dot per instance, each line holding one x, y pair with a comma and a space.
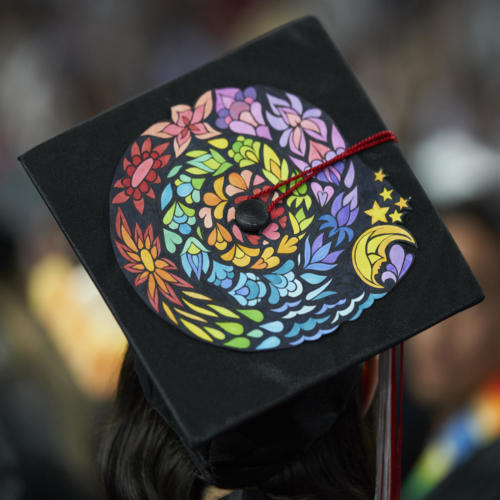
369, 142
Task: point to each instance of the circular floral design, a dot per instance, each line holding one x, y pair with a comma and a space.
328, 252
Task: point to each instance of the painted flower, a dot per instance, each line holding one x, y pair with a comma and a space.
343, 213
194, 257
399, 263
318, 154
179, 217
142, 252
282, 283
256, 251
141, 167
219, 237
249, 290
207, 162
245, 151
189, 188
186, 122
216, 200
318, 257
289, 117
240, 255
221, 275
240, 112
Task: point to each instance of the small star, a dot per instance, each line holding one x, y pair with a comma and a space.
396, 216
379, 176
377, 213
402, 203
387, 194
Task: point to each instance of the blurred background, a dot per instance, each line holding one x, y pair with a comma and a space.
432, 70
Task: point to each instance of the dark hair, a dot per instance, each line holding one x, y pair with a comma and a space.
142, 458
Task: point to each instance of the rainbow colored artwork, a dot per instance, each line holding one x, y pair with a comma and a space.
332, 248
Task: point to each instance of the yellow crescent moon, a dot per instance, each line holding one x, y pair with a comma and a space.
369, 251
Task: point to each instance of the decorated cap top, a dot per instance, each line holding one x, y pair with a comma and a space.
220, 267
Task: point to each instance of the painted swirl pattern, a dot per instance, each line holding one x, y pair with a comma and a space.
333, 247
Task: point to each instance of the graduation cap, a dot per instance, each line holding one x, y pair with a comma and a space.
245, 281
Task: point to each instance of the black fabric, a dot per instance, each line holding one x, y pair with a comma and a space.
476, 479
246, 495
204, 391
256, 450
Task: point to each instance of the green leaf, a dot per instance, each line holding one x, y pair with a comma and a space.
306, 223
196, 171
256, 334
253, 314
174, 170
300, 215
216, 155
187, 210
197, 182
231, 327
195, 153
169, 215
239, 343
222, 168
171, 240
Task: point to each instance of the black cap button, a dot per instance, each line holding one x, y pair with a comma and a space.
252, 215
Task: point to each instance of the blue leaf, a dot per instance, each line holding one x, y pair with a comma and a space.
312, 278
340, 238
307, 252
269, 343
320, 266
324, 294
321, 253
166, 196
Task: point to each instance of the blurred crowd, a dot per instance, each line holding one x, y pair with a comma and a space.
431, 69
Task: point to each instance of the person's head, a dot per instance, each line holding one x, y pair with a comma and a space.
450, 361
142, 457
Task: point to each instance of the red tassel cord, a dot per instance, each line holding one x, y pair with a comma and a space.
369, 142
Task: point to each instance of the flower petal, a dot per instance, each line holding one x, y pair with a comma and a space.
205, 101
156, 130
176, 110
210, 132
121, 197
180, 148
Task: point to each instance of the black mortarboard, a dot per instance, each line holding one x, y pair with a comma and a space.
229, 323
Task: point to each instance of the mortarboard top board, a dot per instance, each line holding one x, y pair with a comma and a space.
228, 324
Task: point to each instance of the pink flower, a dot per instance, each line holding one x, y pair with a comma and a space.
186, 122
290, 118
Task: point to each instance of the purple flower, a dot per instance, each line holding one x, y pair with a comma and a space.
399, 263
294, 123
240, 112
343, 213
317, 256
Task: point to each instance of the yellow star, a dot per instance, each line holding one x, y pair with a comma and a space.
396, 216
377, 213
379, 176
402, 203
387, 194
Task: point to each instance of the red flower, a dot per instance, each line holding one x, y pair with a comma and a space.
140, 173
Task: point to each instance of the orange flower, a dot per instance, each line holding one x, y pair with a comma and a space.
142, 251
220, 237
